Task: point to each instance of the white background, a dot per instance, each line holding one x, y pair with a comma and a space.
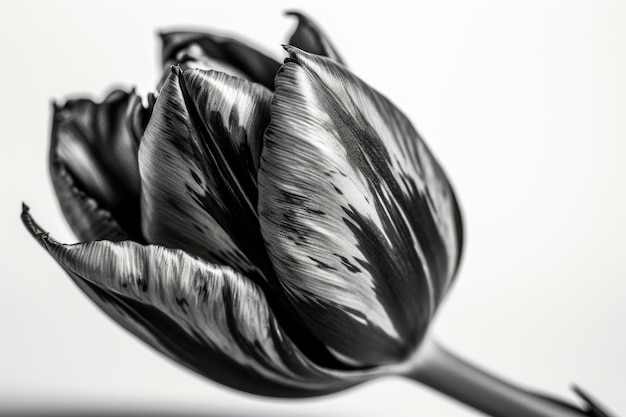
523, 104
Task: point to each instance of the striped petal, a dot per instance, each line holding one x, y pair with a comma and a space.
93, 163
359, 219
208, 51
310, 38
198, 161
207, 317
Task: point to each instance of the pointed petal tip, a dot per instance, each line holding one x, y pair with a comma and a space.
293, 51
42, 236
169, 76
29, 222
302, 57
593, 407
176, 69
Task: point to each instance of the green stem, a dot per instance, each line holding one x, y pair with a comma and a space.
451, 375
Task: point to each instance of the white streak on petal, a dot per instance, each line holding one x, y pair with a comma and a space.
356, 214
323, 163
198, 163
215, 305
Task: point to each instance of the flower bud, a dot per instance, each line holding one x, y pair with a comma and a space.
280, 229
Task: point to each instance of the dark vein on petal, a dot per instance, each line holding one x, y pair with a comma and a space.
202, 152
395, 270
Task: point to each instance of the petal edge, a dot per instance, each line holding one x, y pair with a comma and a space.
351, 207
206, 317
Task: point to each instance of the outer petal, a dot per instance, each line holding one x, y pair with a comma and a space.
197, 162
207, 317
93, 163
208, 51
309, 37
359, 219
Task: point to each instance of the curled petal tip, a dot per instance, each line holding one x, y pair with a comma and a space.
594, 409
293, 13
309, 37
35, 230
298, 15
29, 222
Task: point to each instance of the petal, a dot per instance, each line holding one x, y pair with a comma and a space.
88, 220
207, 317
197, 161
208, 51
309, 37
93, 155
359, 219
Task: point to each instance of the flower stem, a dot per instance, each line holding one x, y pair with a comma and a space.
451, 375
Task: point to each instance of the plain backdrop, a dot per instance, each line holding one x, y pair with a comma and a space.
522, 102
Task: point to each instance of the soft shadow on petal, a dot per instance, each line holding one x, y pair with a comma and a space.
309, 37
359, 219
207, 317
88, 220
208, 51
93, 154
197, 162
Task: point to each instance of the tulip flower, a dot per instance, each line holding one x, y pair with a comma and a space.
280, 229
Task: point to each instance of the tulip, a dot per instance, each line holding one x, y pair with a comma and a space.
280, 229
